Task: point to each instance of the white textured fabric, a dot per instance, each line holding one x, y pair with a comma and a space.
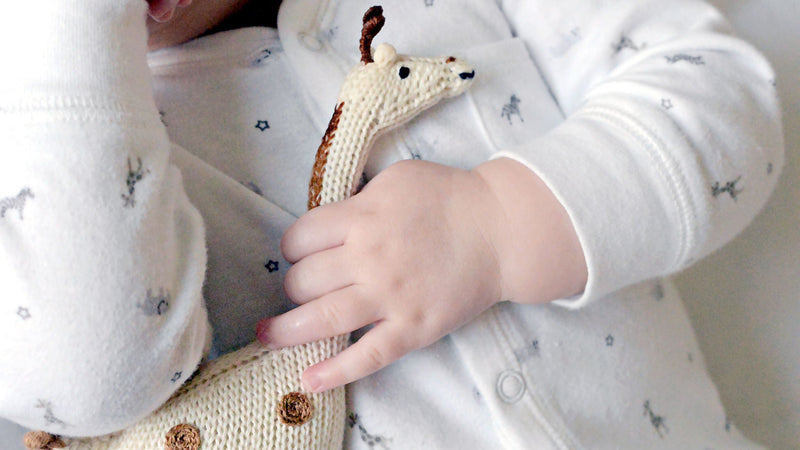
102, 256
634, 373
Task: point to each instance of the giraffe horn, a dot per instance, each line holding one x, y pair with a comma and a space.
373, 22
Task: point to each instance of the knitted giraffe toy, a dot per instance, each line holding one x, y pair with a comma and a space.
253, 398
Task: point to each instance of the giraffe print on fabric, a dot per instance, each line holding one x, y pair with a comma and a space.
729, 187
512, 109
695, 60
134, 176
17, 202
626, 42
371, 440
528, 352
658, 422
155, 305
49, 417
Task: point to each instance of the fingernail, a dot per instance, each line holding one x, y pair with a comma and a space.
261, 335
312, 383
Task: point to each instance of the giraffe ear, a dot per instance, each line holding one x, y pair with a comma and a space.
384, 55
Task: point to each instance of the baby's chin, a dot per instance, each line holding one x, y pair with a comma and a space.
173, 32
189, 22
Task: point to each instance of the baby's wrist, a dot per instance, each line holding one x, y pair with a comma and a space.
538, 251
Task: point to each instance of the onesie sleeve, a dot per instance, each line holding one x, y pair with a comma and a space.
102, 257
672, 141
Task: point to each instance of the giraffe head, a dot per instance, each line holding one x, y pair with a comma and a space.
391, 88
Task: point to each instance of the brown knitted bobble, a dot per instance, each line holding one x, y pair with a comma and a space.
41, 440
183, 437
295, 409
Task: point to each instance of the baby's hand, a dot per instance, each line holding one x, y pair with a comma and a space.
162, 10
410, 254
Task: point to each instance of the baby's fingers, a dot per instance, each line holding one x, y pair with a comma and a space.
380, 347
336, 313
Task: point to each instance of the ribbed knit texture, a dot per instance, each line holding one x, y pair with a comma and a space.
234, 402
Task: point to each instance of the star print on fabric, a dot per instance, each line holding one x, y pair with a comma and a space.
609, 340
262, 125
176, 377
23, 313
769, 169
416, 156
272, 266
666, 103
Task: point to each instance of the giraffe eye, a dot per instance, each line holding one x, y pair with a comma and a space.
404, 72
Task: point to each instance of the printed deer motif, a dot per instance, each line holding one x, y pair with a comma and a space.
17, 202
385, 90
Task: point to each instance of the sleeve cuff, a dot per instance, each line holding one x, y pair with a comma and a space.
629, 213
77, 48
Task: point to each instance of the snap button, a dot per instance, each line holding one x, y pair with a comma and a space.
42, 440
310, 42
295, 409
510, 386
183, 437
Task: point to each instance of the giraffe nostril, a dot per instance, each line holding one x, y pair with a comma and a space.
467, 75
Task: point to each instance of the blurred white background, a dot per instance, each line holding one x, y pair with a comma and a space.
745, 299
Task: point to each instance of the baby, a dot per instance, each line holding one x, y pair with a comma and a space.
504, 262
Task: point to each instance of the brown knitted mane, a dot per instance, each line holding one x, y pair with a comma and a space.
373, 22
318, 172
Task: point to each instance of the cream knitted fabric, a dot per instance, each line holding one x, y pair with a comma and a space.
248, 399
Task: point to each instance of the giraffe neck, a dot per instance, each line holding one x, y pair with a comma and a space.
341, 156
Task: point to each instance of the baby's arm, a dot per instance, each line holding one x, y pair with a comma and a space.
671, 146
102, 256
